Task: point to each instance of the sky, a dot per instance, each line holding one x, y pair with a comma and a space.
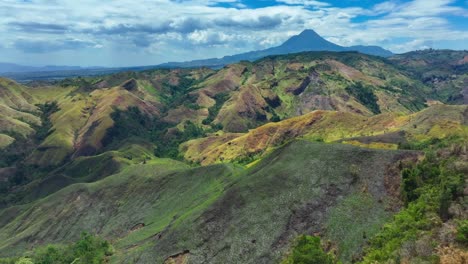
148, 32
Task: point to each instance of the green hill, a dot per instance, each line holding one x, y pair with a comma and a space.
220, 213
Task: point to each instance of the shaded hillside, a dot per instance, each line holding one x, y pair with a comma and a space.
445, 71
220, 213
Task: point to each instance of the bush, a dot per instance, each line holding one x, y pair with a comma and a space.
47, 110
88, 250
428, 189
132, 123
307, 250
213, 111
365, 96
462, 232
24, 261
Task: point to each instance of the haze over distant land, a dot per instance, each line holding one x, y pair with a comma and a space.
117, 34
308, 40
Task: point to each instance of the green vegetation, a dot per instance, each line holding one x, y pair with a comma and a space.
462, 232
440, 70
15, 154
175, 95
429, 187
132, 123
89, 249
220, 206
308, 250
353, 221
168, 145
47, 109
364, 95
213, 111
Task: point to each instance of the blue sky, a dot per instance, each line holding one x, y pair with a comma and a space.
148, 32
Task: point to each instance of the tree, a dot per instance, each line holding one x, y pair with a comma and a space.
307, 250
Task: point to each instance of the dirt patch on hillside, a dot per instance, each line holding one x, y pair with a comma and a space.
308, 218
180, 258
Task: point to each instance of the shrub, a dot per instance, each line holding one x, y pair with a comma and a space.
88, 250
462, 232
365, 96
213, 111
428, 189
308, 250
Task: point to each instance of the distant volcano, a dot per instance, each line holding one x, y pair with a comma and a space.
307, 40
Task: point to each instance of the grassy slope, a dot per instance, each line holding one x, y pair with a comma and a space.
439, 121
257, 92
5, 140
82, 169
220, 213
16, 96
82, 122
16, 110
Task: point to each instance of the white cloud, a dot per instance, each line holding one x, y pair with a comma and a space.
183, 30
304, 2
417, 44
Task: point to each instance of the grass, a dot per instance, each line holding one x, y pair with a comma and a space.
5, 140
353, 221
215, 211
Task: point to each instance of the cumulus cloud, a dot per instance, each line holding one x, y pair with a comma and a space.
417, 44
304, 2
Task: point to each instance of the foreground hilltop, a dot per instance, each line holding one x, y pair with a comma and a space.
192, 164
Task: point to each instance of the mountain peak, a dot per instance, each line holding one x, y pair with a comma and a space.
309, 40
309, 33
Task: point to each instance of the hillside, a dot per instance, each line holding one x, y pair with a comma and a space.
18, 114
233, 99
245, 95
151, 223
445, 71
381, 131
191, 165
